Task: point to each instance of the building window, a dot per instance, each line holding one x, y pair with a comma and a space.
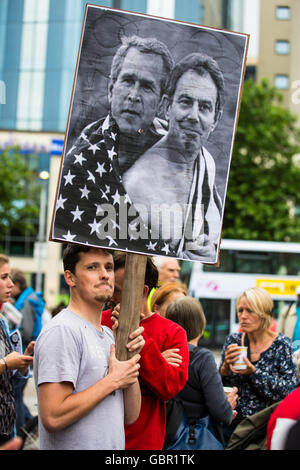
281, 82
282, 47
283, 13
32, 65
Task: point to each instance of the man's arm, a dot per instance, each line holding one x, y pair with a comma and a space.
132, 403
60, 407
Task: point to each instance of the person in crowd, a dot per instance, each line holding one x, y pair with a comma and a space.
14, 367
85, 394
289, 319
179, 167
270, 373
165, 294
203, 394
160, 377
284, 416
168, 271
30, 304
32, 307
94, 166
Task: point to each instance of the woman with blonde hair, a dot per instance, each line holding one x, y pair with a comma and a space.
269, 374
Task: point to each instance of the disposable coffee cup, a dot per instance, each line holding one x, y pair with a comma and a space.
239, 364
228, 390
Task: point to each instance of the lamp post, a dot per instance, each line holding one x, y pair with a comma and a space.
44, 176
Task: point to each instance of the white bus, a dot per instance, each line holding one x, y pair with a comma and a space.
274, 266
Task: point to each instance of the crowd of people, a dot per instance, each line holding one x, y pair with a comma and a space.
88, 399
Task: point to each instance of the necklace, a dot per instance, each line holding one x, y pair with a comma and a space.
256, 351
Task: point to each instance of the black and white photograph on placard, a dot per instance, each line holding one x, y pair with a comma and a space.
149, 137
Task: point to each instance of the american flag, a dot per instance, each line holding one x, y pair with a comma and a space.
92, 206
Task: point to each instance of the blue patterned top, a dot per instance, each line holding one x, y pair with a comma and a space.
275, 376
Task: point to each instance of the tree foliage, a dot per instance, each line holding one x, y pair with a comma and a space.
19, 194
263, 188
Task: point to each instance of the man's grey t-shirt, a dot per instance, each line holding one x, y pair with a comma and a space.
70, 349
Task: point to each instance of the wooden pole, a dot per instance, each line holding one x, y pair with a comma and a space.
131, 302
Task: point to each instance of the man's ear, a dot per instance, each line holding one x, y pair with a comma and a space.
145, 291
164, 106
69, 278
217, 119
110, 91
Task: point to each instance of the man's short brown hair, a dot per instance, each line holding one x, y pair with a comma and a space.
151, 275
71, 255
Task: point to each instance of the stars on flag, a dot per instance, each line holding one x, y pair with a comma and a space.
77, 214
60, 203
83, 136
79, 159
69, 178
166, 249
116, 198
111, 240
69, 237
94, 148
91, 176
103, 195
95, 226
100, 169
111, 153
84, 192
94, 177
151, 246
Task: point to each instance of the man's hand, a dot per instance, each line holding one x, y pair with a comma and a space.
123, 373
172, 357
138, 341
202, 247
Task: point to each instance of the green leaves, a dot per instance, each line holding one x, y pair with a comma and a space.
19, 194
263, 188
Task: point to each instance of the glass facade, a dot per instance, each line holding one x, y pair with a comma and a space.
39, 42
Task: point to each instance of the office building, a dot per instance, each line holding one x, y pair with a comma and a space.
279, 49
